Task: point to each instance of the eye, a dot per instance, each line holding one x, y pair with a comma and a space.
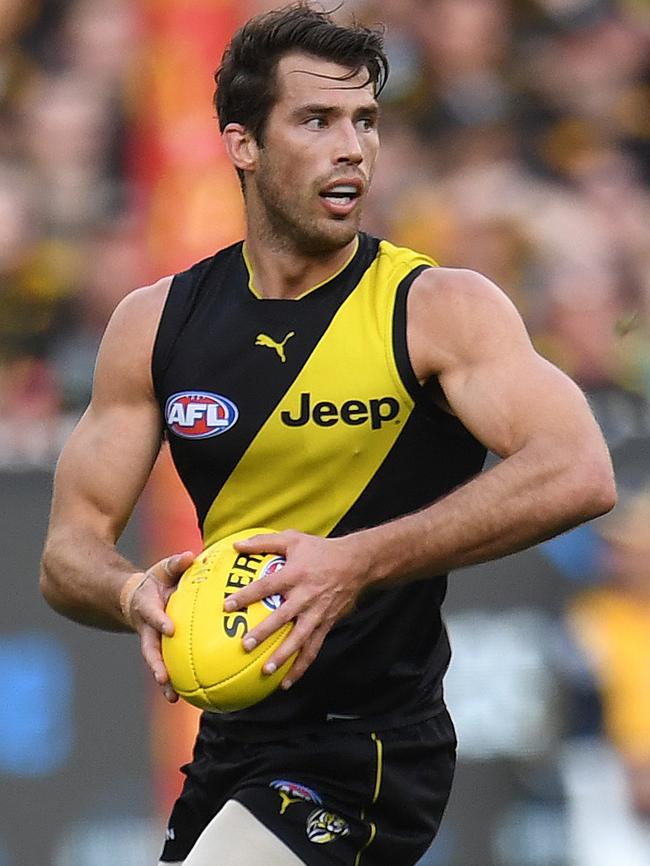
317, 122
367, 124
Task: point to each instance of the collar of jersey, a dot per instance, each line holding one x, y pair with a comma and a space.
256, 294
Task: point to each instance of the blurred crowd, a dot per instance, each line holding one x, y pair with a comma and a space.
516, 140
67, 250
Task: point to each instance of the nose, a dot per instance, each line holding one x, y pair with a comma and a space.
348, 147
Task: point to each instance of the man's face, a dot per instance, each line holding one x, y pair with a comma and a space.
319, 151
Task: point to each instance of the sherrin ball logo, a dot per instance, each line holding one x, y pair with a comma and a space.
273, 602
199, 414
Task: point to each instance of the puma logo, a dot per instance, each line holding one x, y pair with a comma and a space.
288, 801
269, 342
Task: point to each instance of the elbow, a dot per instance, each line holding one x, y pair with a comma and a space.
48, 585
45, 580
595, 486
49, 593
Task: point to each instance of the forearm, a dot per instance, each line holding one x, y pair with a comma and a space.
81, 578
529, 497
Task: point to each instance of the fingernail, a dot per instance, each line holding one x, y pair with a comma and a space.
286, 684
270, 668
249, 644
229, 604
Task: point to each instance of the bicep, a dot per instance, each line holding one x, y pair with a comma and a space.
506, 402
104, 467
471, 337
105, 463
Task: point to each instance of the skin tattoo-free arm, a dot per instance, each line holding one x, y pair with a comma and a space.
100, 475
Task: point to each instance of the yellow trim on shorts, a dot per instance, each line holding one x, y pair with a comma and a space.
379, 747
380, 765
373, 833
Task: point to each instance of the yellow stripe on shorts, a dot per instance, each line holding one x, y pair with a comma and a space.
379, 767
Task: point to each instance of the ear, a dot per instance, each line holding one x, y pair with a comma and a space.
240, 146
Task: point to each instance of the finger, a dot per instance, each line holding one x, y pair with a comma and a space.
150, 648
305, 658
169, 694
274, 621
298, 639
270, 584
150, 610
273, 542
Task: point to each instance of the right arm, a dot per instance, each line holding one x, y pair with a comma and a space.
100, 475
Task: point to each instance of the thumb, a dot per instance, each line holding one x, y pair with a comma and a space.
168, 571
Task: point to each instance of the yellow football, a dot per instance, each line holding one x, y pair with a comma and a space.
206, 661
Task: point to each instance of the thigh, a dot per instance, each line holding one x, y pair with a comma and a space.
333, 799
235, 837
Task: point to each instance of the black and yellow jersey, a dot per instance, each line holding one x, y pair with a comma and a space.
306, 414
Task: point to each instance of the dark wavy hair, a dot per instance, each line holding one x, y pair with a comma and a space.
246, 81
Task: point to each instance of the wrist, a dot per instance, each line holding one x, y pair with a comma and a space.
128, 590
391, 557
364, 557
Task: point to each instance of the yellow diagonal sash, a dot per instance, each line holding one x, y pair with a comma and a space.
349, 394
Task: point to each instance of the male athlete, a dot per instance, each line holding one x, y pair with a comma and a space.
342, 390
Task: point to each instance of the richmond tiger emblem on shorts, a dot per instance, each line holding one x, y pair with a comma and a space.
325, 827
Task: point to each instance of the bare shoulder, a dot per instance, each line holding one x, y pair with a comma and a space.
109, 454
138, 313
457, 315
125, 352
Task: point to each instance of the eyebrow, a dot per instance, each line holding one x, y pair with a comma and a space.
369, 110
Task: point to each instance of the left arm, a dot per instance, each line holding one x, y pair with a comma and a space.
555, 472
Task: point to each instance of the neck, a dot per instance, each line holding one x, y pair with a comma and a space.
281, 270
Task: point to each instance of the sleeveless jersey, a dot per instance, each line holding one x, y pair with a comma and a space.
306, 414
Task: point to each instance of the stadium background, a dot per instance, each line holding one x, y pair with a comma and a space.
515, 138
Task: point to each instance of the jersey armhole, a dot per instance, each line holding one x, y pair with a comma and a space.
422, 398
400, 343
178, 307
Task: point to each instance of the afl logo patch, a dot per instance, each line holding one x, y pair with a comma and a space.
273, 602
199, 414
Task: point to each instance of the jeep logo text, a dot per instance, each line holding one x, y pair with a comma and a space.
378, 411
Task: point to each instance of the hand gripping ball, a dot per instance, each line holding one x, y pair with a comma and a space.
206, 661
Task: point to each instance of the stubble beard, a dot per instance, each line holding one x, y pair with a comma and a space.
284, 228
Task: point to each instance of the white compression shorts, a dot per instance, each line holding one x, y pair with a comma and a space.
235, 837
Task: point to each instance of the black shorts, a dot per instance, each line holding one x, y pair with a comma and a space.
352, 799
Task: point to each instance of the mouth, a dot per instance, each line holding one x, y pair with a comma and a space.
341, 197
